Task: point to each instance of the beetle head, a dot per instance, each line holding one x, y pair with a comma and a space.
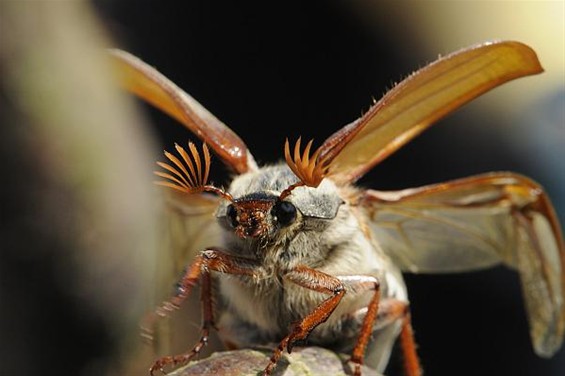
259, 214
262, 205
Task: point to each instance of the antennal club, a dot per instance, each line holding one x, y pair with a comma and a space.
311, 170
189, 174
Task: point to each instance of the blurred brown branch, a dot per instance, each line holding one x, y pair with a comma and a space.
78, 224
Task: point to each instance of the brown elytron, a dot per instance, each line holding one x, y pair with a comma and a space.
305, 248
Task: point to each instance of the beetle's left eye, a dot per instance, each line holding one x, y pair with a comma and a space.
231, 214
284, 212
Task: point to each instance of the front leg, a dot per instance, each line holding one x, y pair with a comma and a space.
210, 259
336, 287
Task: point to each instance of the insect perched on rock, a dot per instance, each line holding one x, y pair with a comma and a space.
302, 248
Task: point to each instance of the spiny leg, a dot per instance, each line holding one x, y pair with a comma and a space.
187, 282
391, 311
408, 344
207, 323
317, 281
209, 260
324, 283
360, 284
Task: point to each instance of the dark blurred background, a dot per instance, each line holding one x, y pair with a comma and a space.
308, 68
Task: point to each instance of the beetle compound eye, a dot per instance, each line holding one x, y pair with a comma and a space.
231, 213
284, 212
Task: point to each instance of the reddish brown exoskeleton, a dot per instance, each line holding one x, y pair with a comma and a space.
300, 245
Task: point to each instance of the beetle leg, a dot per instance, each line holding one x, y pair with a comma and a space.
189, 279
324, 283
408, 345
209, 260
390, 311
360, 284
314, 280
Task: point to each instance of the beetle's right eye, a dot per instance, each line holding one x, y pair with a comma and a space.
285, 212
231, 213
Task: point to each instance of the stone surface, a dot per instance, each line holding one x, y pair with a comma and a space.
314, 361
